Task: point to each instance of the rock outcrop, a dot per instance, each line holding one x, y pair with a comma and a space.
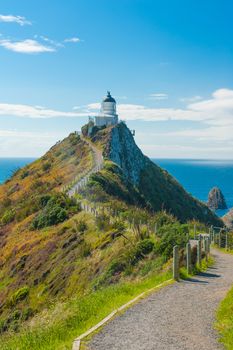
123, 151
228, 219
216, 199
154, 184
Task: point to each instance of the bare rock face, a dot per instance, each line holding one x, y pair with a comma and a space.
228, 219
216, 199
156, 186
124, 152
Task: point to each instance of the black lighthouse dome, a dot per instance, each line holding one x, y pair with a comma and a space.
109, 98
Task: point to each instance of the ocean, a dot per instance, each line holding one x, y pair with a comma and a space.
196, 176
9, 165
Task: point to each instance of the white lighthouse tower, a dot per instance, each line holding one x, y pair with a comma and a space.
107, 115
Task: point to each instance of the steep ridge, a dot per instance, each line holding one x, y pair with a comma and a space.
159, 189
51, 250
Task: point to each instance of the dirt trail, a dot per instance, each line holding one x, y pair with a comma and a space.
178, 317
98, 164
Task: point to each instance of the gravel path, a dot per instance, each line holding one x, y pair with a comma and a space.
97, 165
179, 316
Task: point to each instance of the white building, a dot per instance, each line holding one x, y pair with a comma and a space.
107, 115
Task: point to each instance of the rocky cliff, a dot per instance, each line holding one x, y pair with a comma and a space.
216, 199
122, 150
155, 185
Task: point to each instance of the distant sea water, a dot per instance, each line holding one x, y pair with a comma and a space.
196, 176
9, 165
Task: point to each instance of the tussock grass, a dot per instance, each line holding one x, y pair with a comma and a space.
224, 323
59, 326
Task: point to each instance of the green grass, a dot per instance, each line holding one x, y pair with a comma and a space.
59, 326
197, 269
224, 322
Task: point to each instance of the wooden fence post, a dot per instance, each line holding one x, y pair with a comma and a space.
226, 246
176, 263
188, 257
199, 252
215, 242
206, 247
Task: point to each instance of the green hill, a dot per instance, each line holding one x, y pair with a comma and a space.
55, 257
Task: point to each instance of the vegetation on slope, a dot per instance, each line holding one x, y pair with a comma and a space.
155, 186
55, 258
225, 311
225, 320
164, 192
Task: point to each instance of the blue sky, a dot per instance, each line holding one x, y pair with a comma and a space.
168, 64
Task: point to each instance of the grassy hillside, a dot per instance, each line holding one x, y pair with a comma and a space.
55, 259
156, 188
162, 191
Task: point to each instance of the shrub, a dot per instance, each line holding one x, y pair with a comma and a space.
119, 226
19, 295
142, 248
112, 274
145, 247
55, 209
44, 200
46, 166
102, 222
81, 226
74, 139
163, 218
139, 252
171, 235
5, 203
51, 216
26, 314
24, 174
115, 267
8, 217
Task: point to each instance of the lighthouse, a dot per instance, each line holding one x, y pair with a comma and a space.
108, 115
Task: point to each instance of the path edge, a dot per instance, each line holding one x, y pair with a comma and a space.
77, 341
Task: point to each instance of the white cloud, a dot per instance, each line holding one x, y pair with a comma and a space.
159, 96
215, 133
48, 40
35, 111
219, 108
15, 143
191, 99
211, 138
27, 46
216, 111
72, 40
94, 106
186, 151
14, 19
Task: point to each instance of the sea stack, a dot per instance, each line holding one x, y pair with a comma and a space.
216, 199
